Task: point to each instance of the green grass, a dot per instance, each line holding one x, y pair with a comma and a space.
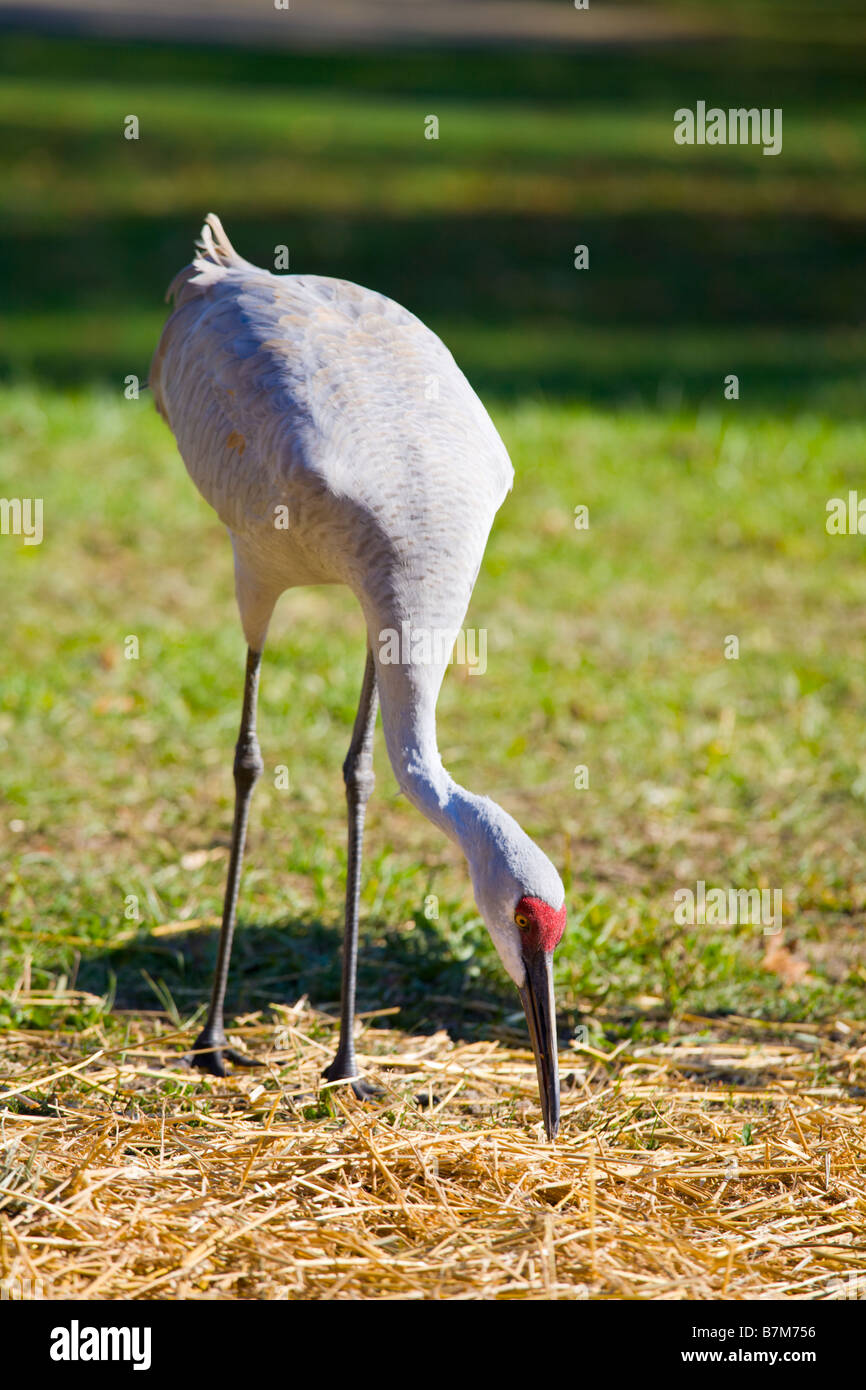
605, 648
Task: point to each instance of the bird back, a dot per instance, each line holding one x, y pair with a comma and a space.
337, 404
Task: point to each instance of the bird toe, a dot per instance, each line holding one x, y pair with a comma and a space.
210, 1054
238, 1059
210, 1062
365, 1090
342, 1071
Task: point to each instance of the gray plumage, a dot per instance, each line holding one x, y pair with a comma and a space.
312, 399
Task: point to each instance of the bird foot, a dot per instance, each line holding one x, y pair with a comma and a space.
341, 1070
211, 1051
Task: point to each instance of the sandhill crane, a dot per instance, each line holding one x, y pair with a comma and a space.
338, 441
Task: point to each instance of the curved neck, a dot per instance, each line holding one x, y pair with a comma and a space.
408, 703
504, 863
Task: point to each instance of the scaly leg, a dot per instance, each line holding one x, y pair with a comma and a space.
210, 1047
359, 778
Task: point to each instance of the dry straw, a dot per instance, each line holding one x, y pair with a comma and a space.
727, 1163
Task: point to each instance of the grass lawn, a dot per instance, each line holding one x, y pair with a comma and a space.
609, 650
606, 648
712, 1114
702, 260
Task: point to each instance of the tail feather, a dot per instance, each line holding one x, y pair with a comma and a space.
214, 243
215, 255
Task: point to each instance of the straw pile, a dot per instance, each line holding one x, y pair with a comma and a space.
727, 1163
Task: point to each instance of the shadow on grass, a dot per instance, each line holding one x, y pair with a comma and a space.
409, 969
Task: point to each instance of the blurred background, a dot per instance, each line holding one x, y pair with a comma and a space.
305, 128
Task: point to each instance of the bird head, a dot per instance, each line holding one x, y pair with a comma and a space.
522, 900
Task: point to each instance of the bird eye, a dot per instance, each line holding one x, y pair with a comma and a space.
522, 921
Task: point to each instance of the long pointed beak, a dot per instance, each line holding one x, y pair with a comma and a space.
540, 1008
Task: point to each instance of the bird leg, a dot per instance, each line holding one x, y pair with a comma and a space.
359, 778
210, 1049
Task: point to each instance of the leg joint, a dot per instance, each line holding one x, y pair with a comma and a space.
359, 778
248, 766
